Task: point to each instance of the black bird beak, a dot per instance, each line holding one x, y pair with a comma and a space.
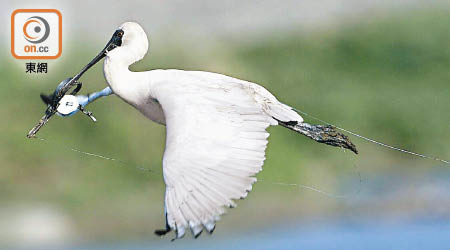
116, 41
53, 100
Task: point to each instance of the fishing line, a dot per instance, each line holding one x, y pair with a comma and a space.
325, 193
298, 185
126, 164
374, 141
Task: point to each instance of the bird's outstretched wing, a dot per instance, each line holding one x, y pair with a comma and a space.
216, 138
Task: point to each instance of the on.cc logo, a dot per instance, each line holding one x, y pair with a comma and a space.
36, 29
36, 34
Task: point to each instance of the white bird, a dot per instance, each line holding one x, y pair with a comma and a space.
216, 130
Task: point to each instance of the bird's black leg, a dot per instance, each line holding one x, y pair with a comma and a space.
161, 232
321, 133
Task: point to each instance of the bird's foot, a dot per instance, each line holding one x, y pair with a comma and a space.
328, 134
162, 232
322, 133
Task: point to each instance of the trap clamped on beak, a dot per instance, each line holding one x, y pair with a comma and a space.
69, 104
61, 104
66, 105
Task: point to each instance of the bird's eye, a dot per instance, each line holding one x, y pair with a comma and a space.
120, 34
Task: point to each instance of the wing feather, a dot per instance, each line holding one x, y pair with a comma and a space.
215, 145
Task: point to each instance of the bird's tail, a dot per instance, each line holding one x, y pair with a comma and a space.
321, 133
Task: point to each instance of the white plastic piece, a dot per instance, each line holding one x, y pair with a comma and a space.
67, 105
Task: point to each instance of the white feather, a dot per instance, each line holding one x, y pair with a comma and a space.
216, 131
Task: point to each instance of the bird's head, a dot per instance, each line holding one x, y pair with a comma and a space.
129, 43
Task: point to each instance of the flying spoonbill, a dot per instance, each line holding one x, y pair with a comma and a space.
215, 129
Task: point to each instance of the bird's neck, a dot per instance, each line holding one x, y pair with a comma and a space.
116, 72
123, 82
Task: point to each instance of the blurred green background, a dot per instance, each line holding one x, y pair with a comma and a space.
386, 78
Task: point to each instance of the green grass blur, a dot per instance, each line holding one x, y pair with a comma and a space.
386, 79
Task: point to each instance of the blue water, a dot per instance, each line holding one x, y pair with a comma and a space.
428, 235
